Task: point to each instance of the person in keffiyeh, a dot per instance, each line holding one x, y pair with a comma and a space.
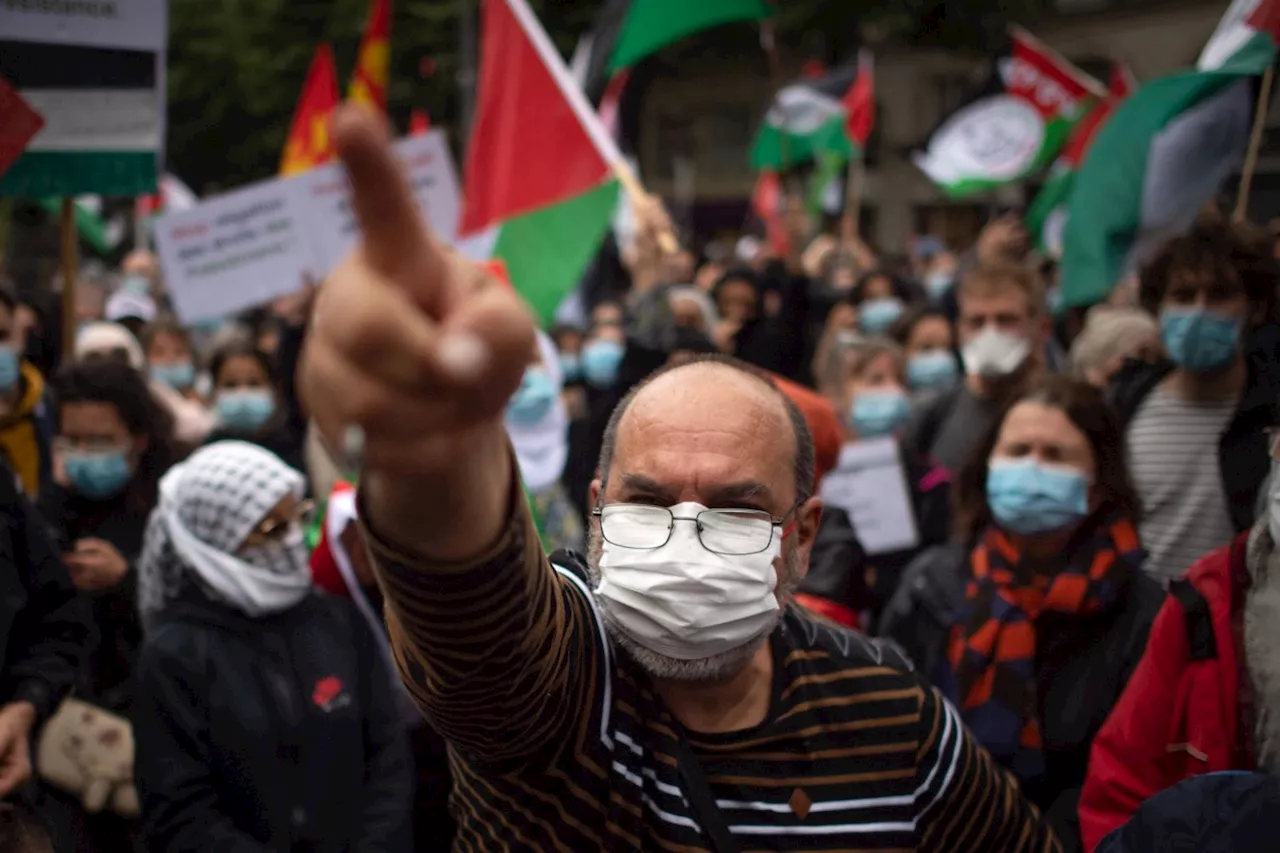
262, 709
1033, 626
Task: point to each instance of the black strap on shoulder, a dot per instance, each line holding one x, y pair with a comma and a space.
703, 801
1195, 609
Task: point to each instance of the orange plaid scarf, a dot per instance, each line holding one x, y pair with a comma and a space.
993, 634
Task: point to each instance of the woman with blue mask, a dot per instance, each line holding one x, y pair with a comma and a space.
869, 377
113, 443
170, 356
926, 335
1033, 622
880, 299
538, 425
249, 405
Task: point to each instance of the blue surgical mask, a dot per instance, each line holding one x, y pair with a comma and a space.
938, 283
879, 413
1200, 340
246, 410
877, 315
10, 367
181, 375
600, 361
1029, 498
98, 476
533, 399
935, 368
571, 367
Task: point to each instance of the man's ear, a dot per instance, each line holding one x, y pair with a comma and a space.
594, 492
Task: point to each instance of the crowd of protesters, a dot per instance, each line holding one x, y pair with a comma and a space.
220, 636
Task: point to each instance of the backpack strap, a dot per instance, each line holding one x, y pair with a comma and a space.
1203, 645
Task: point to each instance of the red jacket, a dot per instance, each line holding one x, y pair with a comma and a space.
1179, 715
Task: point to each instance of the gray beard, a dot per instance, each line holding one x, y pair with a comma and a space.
716, 668
1262, 645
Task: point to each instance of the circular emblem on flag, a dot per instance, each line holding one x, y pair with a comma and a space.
995, 139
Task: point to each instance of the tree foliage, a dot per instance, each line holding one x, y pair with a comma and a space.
236, 67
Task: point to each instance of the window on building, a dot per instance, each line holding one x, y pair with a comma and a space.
673, 138
725, 139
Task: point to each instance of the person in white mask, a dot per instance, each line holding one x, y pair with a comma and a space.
1002, 329
663, 693
262, 711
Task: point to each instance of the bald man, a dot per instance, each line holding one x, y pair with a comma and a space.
662, 694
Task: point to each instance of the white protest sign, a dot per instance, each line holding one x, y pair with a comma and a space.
327, 198
234, 251
129, 24
242, 249
869, 483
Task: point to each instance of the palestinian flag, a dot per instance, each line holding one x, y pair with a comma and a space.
539, 179
808, 119
1015, 127
1047, 215
103, 119
627, 31
100, 233
1164, 153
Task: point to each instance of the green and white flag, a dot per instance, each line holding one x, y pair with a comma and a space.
1015, 127
1164, 153
806, 122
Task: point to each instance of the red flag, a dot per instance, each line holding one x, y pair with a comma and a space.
19, 124
860, 102
369, 80
766, 201
419, 122
309, 144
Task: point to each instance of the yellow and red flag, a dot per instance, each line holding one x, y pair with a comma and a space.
309, 144
369, 80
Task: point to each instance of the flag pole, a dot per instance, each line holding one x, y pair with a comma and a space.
1255, 144
69, 263
769, 41
639, 197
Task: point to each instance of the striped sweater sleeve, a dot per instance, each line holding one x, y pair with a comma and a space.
965, 802
502, 652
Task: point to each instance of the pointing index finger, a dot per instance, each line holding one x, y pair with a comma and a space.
396, 241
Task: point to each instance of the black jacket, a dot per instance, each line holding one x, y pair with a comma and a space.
43, 624
1082, 664
273, 734
107, 676
1243, 455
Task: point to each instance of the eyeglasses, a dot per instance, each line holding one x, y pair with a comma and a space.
731, 532
274, 528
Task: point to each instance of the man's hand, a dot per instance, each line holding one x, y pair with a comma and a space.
1003, 239
16, 720
421, 349
95, 564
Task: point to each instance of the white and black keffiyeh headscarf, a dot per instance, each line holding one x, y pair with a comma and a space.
208, 506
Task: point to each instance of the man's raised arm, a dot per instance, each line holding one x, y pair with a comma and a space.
421, 349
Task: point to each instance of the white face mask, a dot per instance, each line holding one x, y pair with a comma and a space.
683, 601
994, 353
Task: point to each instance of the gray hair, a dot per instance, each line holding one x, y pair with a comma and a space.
804, 459
1107, 333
